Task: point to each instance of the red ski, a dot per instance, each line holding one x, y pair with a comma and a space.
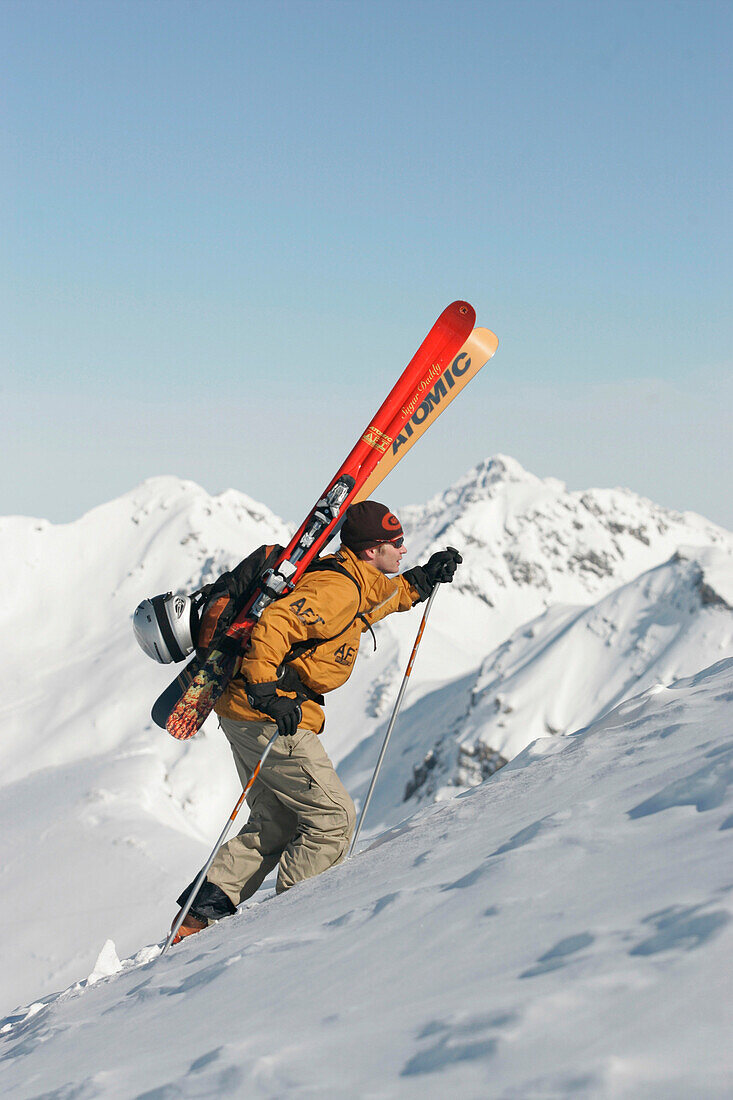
413, 389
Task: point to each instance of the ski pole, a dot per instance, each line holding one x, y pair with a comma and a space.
392, 721
222, 836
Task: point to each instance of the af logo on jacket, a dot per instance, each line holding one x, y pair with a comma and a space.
306, 614
345, 655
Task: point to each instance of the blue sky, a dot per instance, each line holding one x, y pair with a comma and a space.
227, 226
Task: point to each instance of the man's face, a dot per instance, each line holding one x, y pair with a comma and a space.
386, 557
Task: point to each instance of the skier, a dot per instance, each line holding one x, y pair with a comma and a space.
301, 816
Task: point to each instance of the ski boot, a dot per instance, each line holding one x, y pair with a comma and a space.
191, 925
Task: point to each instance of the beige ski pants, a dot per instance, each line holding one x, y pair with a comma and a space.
301, 815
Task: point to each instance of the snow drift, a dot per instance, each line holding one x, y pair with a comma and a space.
563, 929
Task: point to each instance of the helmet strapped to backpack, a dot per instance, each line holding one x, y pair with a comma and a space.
169, 627
166, 626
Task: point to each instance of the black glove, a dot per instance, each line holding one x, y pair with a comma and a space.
283, 709
441, 566
439, 569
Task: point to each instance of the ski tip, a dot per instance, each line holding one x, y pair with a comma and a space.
485, 340
461, 313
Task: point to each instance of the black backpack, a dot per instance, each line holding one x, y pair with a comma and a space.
221, 601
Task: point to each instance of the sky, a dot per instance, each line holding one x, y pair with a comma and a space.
226, 227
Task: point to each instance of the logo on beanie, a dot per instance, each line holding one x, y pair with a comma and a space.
368, 523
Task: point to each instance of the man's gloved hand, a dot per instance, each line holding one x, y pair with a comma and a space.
283, 709
441, 566
439, 569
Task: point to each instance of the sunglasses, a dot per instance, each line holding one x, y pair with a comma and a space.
393, 542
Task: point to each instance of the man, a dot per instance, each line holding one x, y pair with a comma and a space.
305, 644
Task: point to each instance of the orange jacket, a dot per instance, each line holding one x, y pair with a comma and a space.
322, 605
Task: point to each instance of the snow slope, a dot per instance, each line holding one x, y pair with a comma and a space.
660, 627
103, 817
564, 929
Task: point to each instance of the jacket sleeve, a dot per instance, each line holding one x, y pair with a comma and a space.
402, 597
317, 608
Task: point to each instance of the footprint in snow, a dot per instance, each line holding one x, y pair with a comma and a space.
366, 913
705, 789
466, 1040
557, 957
682, 928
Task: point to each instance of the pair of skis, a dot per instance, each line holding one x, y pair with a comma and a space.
449, 356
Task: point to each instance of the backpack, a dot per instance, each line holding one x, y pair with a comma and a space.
221, 601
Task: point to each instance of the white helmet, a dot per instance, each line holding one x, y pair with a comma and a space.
166, 627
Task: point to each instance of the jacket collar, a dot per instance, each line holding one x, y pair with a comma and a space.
375, 584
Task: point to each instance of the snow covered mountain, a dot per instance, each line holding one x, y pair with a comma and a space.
563, 671
529, 544
564, 929
577, 599
65, 616
582, 661
566, 604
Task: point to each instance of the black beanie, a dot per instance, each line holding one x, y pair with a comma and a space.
367, 524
